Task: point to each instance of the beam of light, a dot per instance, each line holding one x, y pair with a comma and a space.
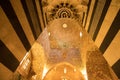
45, 70
65, 70
81, 34
24, 58
64, 25
84, 72
74, 70
49, 33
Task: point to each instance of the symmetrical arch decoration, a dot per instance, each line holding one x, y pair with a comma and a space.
63, 10
64, 13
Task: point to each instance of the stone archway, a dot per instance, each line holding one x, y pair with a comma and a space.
64, 71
